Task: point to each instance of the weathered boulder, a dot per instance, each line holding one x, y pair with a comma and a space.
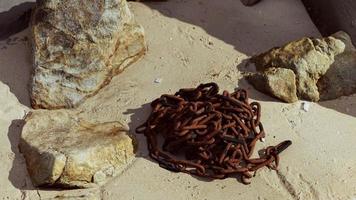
64, 150
340, 79
78, 46
308, 58
279, 82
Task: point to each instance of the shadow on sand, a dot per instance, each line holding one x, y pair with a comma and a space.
16, 67
18, 175
15, 61
249, 29
15, 20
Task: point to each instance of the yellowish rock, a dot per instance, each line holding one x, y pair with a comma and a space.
78, 46
62, 149
340, 79
308, 58
279, 82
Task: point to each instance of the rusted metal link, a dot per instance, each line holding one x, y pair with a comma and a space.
215, 134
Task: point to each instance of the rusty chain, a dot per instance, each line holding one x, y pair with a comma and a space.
203, 133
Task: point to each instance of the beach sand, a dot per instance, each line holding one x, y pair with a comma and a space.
192, 42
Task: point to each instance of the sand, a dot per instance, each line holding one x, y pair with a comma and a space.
192, 42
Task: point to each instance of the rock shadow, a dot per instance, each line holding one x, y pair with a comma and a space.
15, 20
16, 67
15, 60
345, 105
137, 118
254, 94
331, 16
246, 67
249, 29
18, 175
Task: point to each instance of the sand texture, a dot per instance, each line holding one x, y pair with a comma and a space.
191, 42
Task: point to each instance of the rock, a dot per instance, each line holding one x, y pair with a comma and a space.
279, 82
78, 46
64, 150
308, 58
340, 79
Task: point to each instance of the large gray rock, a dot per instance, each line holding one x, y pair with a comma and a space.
78, 47
308, 58
340, 79
64, 150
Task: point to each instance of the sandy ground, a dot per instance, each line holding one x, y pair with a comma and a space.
192, 42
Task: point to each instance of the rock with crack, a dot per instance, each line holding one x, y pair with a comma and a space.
279, 82
309, 59
340, 79
78, 46
64, 150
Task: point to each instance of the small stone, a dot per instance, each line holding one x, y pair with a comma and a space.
157, 80
99, 177
63, 150
305, 106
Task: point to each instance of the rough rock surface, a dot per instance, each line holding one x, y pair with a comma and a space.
276, 79
308, 58
340, 79
78, 47
61, 149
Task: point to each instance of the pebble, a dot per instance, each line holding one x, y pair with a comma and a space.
158, 80
306, 106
